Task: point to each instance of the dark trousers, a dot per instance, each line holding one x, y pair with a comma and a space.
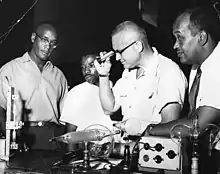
38, 137
216, 157
208, 164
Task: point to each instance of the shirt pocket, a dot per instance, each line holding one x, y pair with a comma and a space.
126, 101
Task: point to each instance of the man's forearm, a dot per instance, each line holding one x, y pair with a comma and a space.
164, 129
106, 94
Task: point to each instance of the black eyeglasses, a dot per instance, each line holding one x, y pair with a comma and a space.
122, 50
45, 41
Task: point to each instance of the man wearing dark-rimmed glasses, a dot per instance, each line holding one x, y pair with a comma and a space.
152, 87
42, 88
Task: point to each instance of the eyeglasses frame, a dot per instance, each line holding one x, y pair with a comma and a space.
46, 40
125, 48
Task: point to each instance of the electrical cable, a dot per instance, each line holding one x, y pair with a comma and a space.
5, 35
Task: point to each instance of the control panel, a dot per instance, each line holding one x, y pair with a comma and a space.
160, 153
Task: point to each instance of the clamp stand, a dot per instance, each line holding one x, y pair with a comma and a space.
125, 163
84, 166
12, 123
86, 158
195, 141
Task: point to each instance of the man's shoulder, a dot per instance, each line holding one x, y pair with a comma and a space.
166, 61
78, 87
167, 64
10, 64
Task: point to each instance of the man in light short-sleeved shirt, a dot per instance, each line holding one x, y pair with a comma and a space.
41, 87
82, 106
43, 92
152, 87
209, 94
197, 43
162, 83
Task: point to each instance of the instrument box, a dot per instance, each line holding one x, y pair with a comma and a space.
160, 153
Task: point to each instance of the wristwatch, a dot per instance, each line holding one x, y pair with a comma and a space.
101, 75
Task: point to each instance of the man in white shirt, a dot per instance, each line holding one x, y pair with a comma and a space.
197, 43
152, 87
82, 106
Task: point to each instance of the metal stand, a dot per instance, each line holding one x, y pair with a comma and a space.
125, 163
12, 123
86, 160
85, 165
195, 141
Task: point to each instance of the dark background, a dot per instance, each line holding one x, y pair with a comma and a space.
85, 27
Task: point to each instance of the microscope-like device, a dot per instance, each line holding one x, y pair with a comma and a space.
13, 123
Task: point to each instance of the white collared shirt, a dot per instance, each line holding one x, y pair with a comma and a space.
43, 92
209, 88
163, 82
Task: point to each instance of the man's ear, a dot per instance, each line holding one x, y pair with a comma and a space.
33, 37
203, 38
139, 46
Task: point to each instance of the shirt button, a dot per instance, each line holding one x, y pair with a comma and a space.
129, 106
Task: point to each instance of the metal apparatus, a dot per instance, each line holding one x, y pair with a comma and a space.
98, 143
160, 153
180, 131
13, 123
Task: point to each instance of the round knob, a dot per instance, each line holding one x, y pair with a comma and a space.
171, 154
146, 146
146, 158
158, 147
158, 159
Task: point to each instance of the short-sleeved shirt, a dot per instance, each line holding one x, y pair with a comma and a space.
209, 93
82, 107
163, 82
43, 92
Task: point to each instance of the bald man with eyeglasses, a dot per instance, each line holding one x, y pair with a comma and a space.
152, 87
41, 86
